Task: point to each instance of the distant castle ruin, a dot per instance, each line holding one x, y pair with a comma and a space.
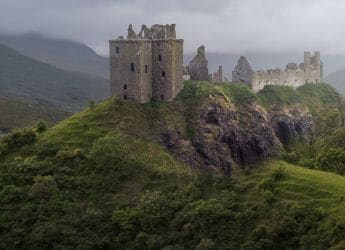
197, 68
311, 71
148, 65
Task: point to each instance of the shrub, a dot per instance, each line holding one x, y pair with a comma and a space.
16, 140
92, 104
41, 127
333, 160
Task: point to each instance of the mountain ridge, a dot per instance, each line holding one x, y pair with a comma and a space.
63, 54
25, 77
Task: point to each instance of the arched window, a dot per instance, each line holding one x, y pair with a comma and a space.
125, 86
160, 58
117, 50
125, 97
146, 69
162, 97
132, 67
163, 73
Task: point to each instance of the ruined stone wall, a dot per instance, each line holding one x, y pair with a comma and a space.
294, 75
218, 75
198, 66
129, 78
243, 72
294, 78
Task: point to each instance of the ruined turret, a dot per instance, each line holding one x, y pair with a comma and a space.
198, 66
243, 72
131, 34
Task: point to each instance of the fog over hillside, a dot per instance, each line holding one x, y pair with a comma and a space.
227, 26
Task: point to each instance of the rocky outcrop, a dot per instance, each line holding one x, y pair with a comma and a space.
225, 135
198, 66
291, 124
243, 72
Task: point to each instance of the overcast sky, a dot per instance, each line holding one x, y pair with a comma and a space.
234, 26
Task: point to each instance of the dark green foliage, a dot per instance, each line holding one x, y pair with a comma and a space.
16, 140
41, 127
332, 160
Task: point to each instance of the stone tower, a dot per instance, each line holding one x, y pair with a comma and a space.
198, 66
148, 65
312, 67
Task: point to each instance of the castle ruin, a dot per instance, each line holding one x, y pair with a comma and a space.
198, 66
311, 71
148, 65
217, 77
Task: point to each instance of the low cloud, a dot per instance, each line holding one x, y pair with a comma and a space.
232, 26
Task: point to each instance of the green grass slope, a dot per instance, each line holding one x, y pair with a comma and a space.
18, 113
99, 180
25, 77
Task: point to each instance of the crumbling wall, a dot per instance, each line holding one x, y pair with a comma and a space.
294, 75
198, 66
243, 72
218, 75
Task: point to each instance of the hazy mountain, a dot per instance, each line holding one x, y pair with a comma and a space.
26, 77
337, 79
62, 54
23, 112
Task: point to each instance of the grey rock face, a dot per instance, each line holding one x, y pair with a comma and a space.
243, 72
224, 136
198, 66
293, 124
221, 139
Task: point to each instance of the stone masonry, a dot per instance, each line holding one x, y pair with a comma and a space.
217, 77
198, 66
243, 72
148, 65
311, 71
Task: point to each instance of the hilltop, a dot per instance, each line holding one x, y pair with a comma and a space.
204, 171
27, 78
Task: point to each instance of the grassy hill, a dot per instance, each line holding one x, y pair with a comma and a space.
103, 179
67, 90
336, 79
63, 54
19, 113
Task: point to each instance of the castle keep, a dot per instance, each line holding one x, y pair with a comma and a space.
147, 65
294, 75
